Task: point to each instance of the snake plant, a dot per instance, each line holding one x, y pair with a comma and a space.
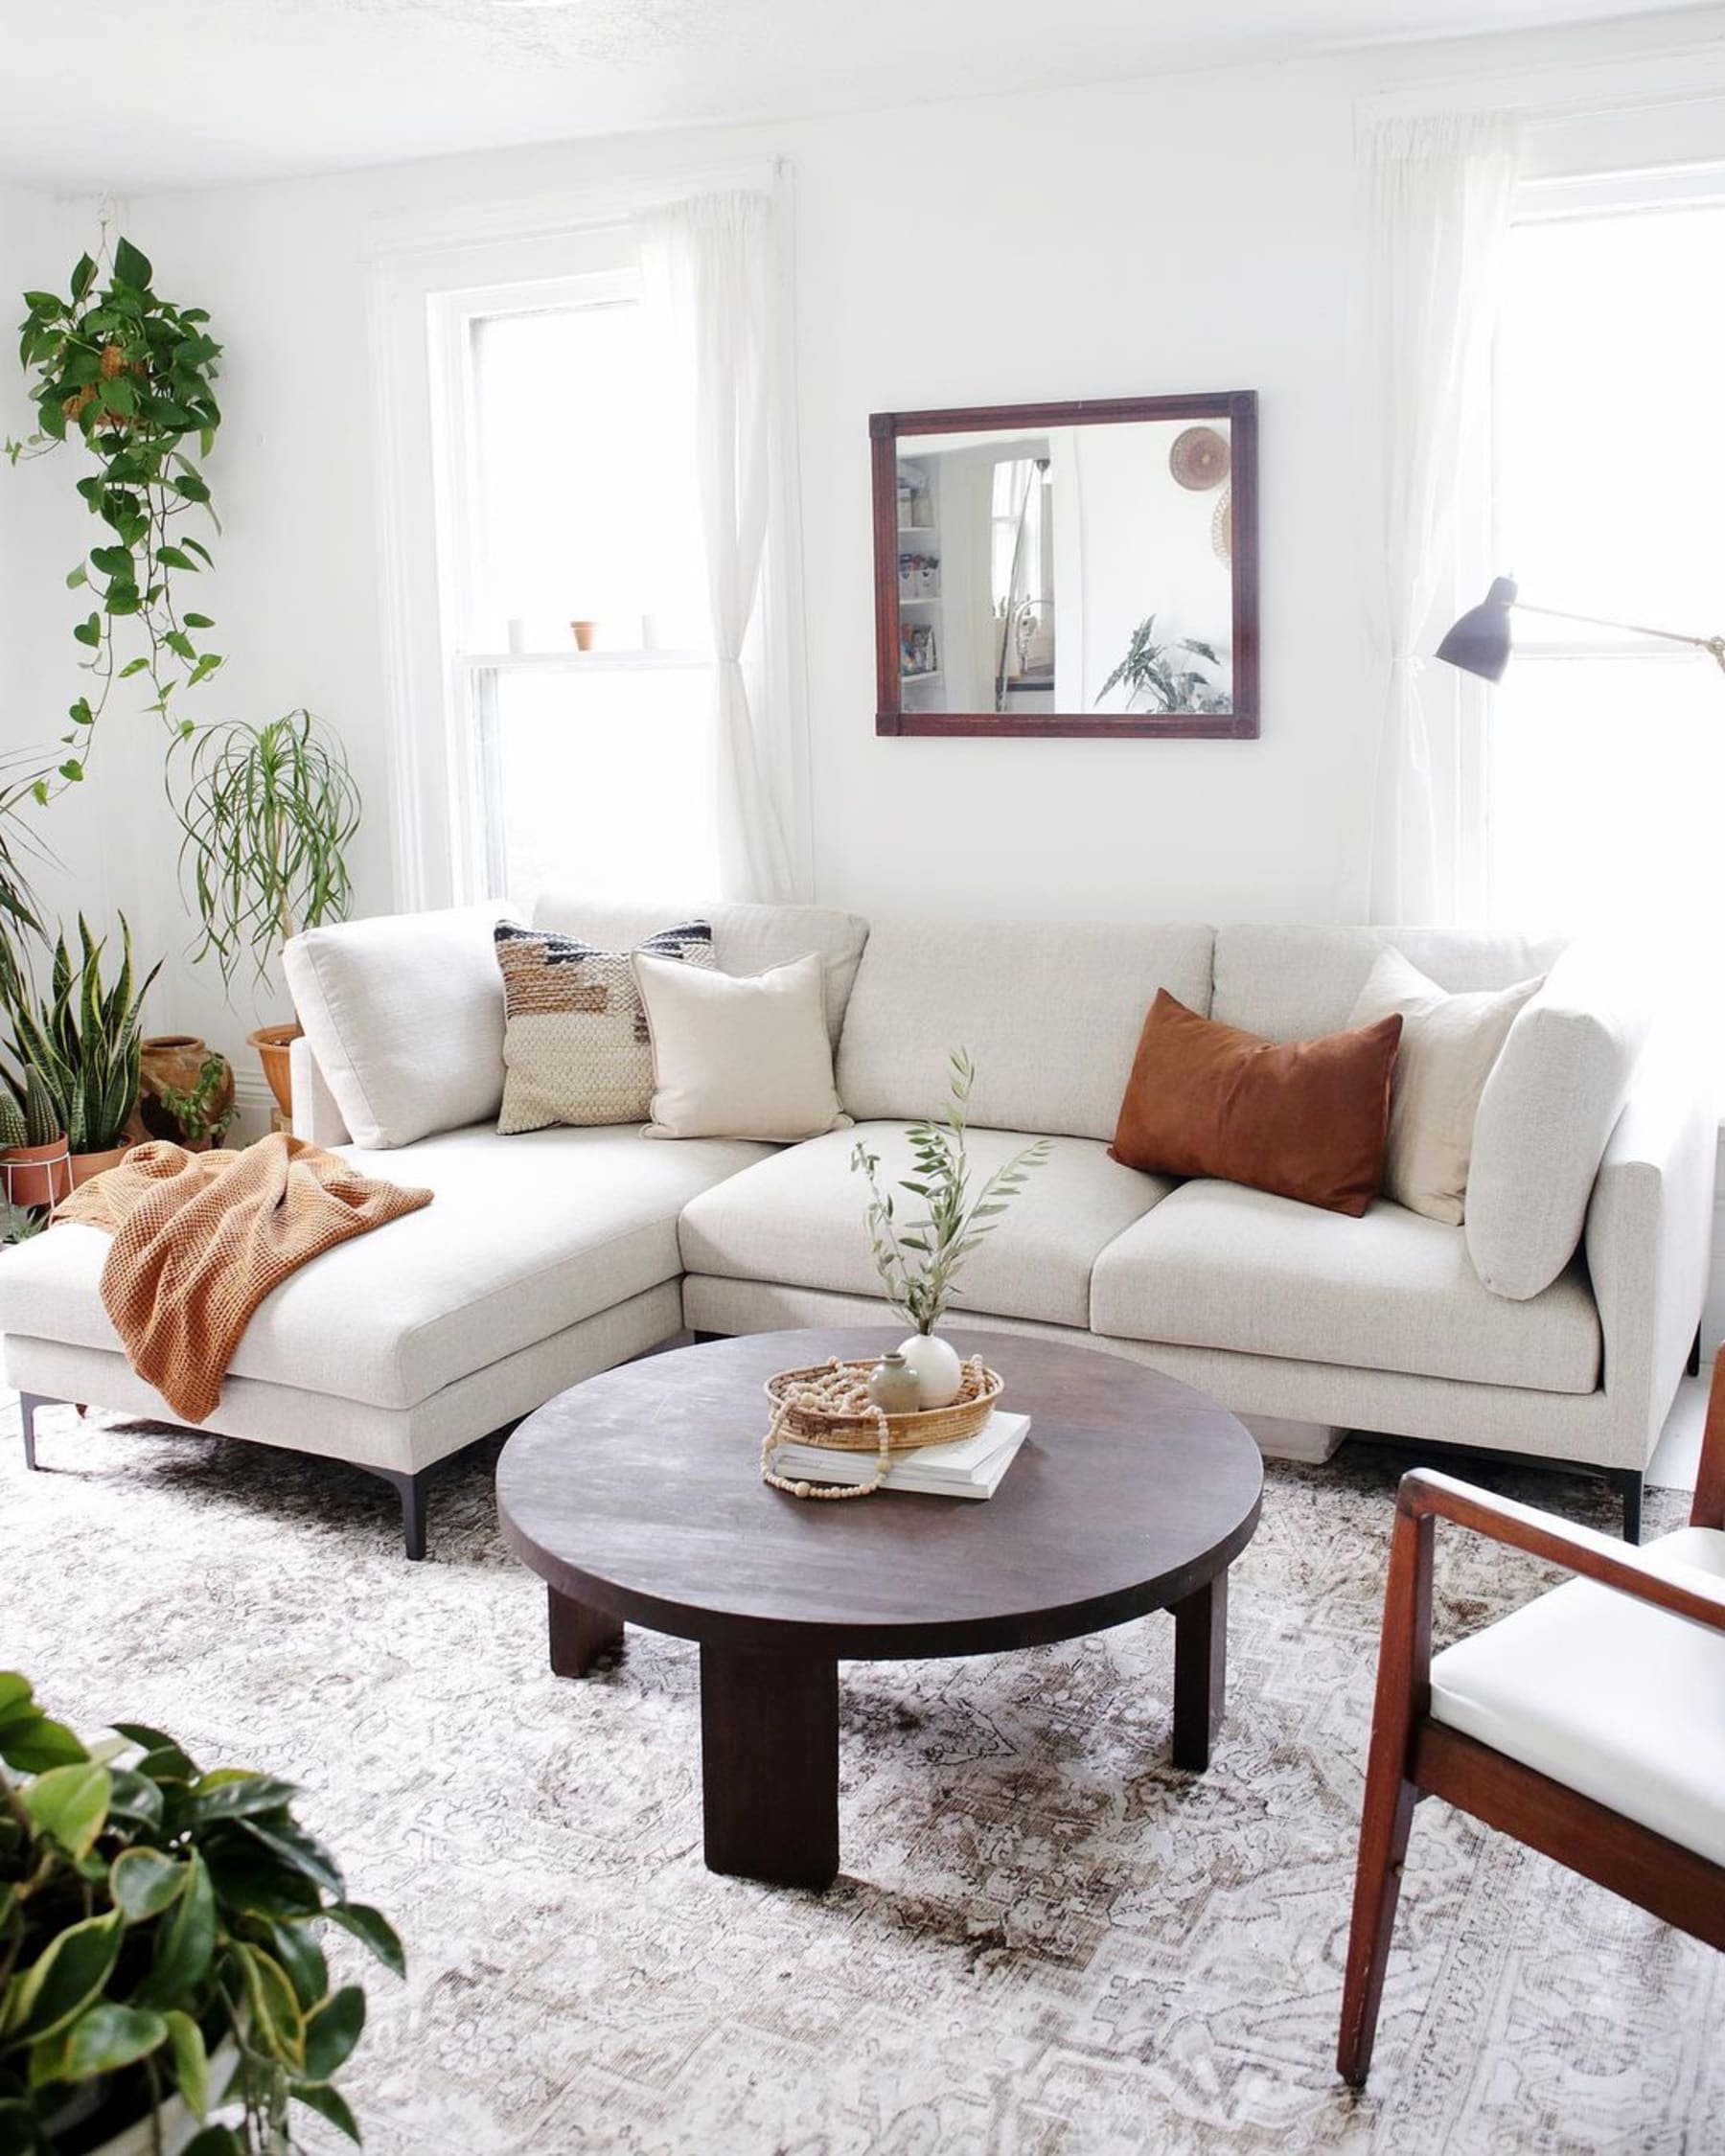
82, 1040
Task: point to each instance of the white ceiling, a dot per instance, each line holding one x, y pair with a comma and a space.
186, 92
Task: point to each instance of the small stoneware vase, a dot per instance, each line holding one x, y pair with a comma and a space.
893, 1387
939, 1372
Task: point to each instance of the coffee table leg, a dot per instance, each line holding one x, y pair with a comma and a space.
1200, 1673
770, 1765
580, 1634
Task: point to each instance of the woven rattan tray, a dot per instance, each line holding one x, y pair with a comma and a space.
801, 1409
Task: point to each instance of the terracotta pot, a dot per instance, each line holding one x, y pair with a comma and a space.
274, 1043
172, 1062
84, 1165
584, 633
36, 1175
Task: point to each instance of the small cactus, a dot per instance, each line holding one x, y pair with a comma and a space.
12, 1134
42, 1121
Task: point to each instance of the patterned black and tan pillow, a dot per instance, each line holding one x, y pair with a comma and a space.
575, 1042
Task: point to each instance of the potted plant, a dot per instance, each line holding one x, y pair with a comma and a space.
266, 816
159, 1948
919, 1260
35, 1166
86, 1040
186, 1092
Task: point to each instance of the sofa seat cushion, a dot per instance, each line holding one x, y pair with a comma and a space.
1609, 1696
1218, 1265
524, 1237
796, 1221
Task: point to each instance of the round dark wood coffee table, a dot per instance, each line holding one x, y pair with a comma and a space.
637, 1497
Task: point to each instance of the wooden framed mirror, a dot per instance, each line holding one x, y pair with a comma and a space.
1087, 570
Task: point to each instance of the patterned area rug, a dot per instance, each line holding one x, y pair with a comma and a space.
1044, 1939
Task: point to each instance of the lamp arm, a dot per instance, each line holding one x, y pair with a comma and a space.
1714, 644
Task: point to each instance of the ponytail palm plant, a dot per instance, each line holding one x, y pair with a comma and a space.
266, 814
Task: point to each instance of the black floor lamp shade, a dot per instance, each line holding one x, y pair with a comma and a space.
1479, 643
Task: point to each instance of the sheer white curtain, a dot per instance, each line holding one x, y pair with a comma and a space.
710, 266
1439, 193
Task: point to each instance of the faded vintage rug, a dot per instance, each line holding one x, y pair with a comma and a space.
1045, 1939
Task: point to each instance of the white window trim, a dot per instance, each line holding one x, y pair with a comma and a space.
417, 264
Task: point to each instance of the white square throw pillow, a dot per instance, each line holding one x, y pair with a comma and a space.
739, 1057
1449, 1044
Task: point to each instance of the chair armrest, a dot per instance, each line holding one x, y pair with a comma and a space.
1582, 1550
1649, 1239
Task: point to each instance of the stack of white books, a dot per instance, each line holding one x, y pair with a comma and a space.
971, 1468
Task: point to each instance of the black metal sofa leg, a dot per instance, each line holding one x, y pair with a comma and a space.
28, 1403
411, 1490
1630, 1484
1693, 1365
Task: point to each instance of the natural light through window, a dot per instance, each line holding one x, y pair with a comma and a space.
1607, 752
583, 663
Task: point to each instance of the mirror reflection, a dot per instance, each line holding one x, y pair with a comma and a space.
1083, 569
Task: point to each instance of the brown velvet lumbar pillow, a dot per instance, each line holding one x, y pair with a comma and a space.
1306, 1119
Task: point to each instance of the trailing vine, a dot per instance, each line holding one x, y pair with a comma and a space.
131, 374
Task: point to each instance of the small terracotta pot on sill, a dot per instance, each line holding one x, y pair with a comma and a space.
85, 1165
36, 1175
584, 633
274, 1044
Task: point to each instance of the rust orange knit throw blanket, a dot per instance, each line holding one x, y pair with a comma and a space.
201, 1238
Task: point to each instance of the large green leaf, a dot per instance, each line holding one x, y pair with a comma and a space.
300, 1954
277, 2024
34, 1744
68, 1976
190, 2061
144, 1881
137, 1798
372, 1929
328, 2104
300, 1851
131, 266
69, 1805
105, 2038
185, 1943
237, 1792
332, 2031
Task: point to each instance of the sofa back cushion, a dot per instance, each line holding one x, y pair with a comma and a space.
1051, 1014
1545, 1115
747, 939
1294, 983
405, 1013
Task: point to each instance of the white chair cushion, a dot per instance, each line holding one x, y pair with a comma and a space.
1219, 1266
747, 939
1545, 1116
405, 1013
796, 1221
524, 1237
1051, 1014
1614, 1699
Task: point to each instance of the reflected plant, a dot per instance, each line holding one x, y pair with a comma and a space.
1155, 669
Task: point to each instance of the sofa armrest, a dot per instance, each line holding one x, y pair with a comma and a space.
315, 1115
1650, 1238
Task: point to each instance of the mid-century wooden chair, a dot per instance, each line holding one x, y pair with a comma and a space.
1590, 1725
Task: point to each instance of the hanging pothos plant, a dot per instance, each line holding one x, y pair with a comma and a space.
131, 374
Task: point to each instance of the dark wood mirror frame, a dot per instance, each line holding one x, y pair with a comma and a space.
888, 430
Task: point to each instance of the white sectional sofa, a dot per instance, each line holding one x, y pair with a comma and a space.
549, 1256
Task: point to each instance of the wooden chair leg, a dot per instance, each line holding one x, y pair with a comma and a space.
1403, 1696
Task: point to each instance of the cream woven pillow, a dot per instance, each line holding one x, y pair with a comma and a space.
575, 1044
1449, 1044
746, 1057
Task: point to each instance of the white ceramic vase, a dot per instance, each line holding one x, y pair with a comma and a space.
938, 1367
